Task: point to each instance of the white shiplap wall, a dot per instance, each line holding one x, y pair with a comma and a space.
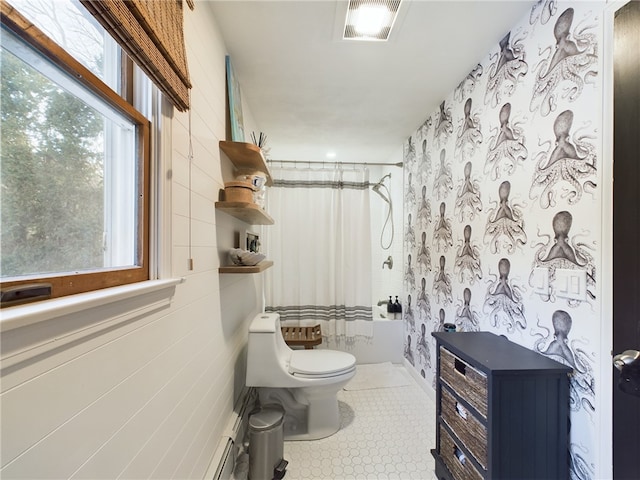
147, 395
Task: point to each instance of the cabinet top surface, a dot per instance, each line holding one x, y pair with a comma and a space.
493, 353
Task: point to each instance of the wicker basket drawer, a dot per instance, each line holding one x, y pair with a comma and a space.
458, 464
468, 428
469, 383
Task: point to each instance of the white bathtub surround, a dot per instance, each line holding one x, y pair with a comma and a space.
385, 281
321, 249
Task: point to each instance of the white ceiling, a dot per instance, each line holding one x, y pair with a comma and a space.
311, 92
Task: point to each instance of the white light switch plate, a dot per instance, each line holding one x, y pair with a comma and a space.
571, 284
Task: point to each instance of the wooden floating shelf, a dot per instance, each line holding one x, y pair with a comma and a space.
246, 269
246, 156
247, 212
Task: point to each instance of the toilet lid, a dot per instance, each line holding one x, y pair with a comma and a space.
320, 362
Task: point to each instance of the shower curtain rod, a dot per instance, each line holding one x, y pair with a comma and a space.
308, 162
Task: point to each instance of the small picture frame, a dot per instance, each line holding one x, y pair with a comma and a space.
251, 242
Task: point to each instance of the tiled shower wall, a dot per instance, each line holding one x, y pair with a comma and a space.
386, 235
501, 198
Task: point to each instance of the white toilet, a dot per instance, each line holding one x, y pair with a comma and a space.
304, 382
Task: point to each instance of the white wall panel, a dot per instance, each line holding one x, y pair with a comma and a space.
180, 200
184, 388
99, 390
206, 186
72, 387
179, 260
180, 230
202, 207
150, 455
180, 168
150, 397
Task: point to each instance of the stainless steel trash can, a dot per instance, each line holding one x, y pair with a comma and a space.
266, 443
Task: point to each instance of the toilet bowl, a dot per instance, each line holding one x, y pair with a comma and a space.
304, 382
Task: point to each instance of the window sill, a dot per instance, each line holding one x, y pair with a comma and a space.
61, 326
30, 314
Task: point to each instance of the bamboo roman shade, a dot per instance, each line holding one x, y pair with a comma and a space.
151, 32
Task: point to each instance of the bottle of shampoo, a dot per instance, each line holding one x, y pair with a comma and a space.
390, 305
397, 309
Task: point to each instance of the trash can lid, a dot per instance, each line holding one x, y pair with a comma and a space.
266, 418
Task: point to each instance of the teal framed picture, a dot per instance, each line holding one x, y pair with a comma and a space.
235, 104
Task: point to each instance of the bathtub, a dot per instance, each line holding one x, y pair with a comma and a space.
387, 342
385, 345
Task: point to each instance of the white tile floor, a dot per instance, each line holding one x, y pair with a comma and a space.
387, 433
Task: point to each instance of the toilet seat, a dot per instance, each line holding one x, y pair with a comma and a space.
320, 363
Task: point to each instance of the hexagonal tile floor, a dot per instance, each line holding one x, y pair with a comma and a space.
387, 433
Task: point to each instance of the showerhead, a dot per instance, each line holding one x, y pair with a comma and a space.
381, 181
376, 188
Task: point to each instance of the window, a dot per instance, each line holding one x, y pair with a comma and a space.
74, 156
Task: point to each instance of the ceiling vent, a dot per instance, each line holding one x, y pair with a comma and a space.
370, 20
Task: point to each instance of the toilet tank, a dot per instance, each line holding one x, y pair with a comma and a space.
265, 323
267, 353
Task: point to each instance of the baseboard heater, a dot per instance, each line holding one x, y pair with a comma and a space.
231, 443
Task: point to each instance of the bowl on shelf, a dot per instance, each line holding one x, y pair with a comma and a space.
245, 257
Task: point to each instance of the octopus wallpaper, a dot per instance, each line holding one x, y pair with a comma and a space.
501, 183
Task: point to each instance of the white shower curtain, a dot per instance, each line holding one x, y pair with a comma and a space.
321, 248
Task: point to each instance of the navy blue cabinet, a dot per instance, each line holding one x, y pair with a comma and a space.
502, 410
